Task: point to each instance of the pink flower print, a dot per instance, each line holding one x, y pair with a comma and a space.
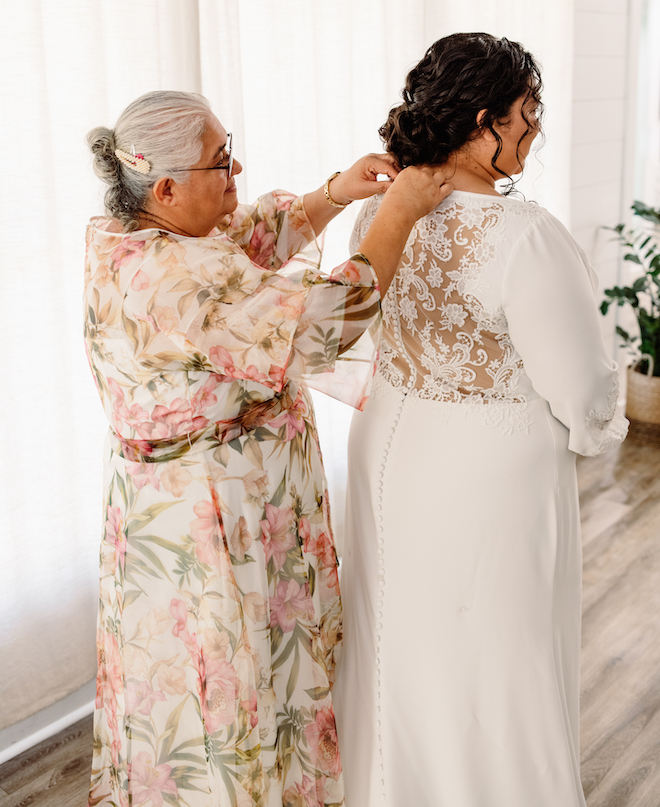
110, 675
175, 478
115, 534
305, 532
256, 483
293, 418
178, 419
126, 251
250, 706
323, 548
165, 318
297, 216
308, 793
290, 604
134, 417
157, 621
292, 305
180, 613
220, 689
140, 698
204, 398
140, 281
262, 244
350, 272
276, 375
277, 534
105, 273
251, 373
240, 540
222, 359
283, 200
143, 474
215, 644
322, 741
172, 679
117, 393
147, 782
206, 531
255, 606
110, 712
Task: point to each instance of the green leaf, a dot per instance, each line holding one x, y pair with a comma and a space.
139, 520
318, 693
293, 675
630, 256
236, 445
134, 733
154, 560
163, 542
167, 737
122, 488
278, 496
196, 741
131, 596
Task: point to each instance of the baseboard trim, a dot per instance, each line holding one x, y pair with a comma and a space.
20, 737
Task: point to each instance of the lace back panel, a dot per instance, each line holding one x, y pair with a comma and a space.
443, 340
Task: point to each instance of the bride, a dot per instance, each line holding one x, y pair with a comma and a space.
462, 569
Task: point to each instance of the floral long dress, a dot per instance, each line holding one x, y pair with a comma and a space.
219, 614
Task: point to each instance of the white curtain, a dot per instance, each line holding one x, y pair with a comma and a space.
304, 87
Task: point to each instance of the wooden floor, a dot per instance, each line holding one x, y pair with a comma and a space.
620, 495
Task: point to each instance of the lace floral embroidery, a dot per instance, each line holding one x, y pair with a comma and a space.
443, 342
609, 427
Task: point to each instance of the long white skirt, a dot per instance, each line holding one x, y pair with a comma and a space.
461, 583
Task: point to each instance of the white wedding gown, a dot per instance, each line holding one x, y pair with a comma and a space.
461, 575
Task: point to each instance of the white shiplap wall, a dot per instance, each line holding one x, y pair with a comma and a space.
606, 36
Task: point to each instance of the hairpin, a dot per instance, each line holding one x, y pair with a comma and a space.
134, 161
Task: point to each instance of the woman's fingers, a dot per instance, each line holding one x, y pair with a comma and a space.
361, 179
420, 189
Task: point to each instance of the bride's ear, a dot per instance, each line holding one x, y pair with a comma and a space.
484, 131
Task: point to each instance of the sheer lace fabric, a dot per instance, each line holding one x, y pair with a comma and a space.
468, 268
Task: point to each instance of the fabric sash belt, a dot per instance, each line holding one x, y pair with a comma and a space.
215, 434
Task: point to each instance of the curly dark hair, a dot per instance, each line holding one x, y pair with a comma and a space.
459, 76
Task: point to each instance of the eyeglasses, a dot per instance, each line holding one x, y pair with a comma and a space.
227, 166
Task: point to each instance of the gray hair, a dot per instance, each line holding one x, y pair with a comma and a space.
166, 127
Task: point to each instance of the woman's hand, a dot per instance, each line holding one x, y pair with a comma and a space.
361, 180
416, 191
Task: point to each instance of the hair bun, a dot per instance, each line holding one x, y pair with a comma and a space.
101, 141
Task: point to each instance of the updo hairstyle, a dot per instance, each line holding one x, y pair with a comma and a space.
166, 127
459, 76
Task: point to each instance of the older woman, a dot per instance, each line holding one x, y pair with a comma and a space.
458, 684
205, 324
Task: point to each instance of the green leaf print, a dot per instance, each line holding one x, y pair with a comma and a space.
131, 596
167, 737
318, 693
152, 557
278, 496
293, 675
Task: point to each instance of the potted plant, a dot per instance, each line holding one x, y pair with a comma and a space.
642, 246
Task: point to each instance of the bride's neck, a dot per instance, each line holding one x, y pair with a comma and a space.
469, 174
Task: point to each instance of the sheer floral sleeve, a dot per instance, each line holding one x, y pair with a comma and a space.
273, 229
204, 303
553, 321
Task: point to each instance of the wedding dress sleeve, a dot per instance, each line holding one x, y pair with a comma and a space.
550, 305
